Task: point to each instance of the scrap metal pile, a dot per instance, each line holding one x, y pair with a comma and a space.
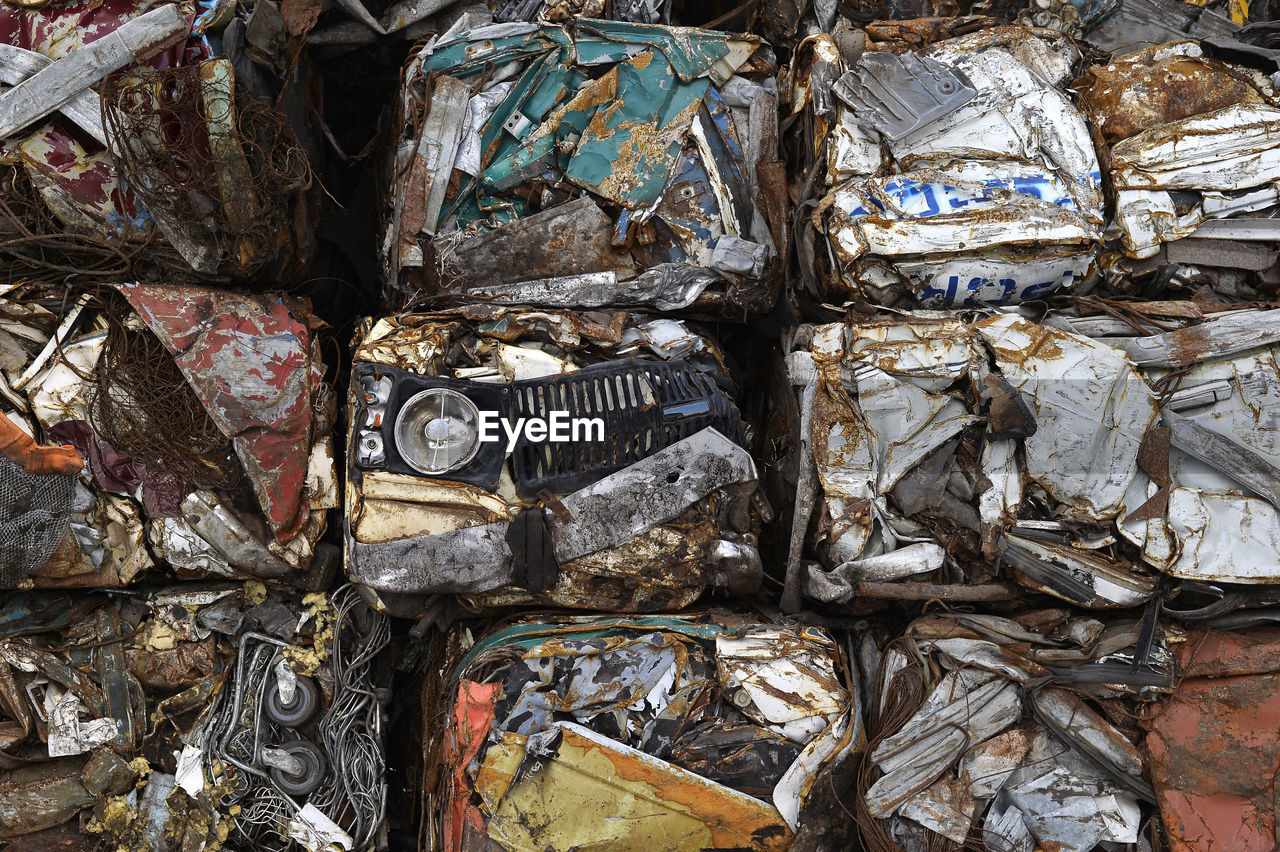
639, 425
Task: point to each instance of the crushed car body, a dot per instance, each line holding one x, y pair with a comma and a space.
192, 431
689, 732
960, 173
600, 163
461, 480
942, 450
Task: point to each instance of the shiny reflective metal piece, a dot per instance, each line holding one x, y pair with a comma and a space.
606, 514
437, 431
897, 95
370, 452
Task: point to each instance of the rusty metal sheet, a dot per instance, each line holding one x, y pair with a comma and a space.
80, 186
1098, 405
1159, 85
174, 669
468, 730
250, 361
569, 239
1212, 748
40, 796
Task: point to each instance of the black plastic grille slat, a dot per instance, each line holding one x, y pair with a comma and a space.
633, 429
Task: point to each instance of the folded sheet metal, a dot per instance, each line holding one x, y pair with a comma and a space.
638, 151
685, 732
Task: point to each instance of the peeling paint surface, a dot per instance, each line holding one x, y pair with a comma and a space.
251, 362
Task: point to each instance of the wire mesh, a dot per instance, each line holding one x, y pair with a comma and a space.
35, 515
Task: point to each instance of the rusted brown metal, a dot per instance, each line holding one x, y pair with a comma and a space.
41, 796
167, 670
1212, 748
935, 591
1154, 86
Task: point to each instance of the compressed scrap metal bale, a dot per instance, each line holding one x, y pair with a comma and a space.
190, 431
777, 20
1189, 142
179, 171
640, 499
554, 165
1078, 455
685, 733
183, 718
951, 170
222, 175
602, 163
61, 186
968, 741
955, 173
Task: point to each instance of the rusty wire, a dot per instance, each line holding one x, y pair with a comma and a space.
36, 248
1126, 312
141, 405
901, 697
158, 129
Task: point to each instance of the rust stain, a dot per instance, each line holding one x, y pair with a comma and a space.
1189, 345
1141, 91
1212, 748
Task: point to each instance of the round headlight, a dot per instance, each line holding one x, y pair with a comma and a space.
437, 431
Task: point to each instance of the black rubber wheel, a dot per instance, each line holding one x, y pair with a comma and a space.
298, 712
312, 774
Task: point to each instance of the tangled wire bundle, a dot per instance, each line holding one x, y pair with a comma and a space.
36, 248
217, 169
143, 407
